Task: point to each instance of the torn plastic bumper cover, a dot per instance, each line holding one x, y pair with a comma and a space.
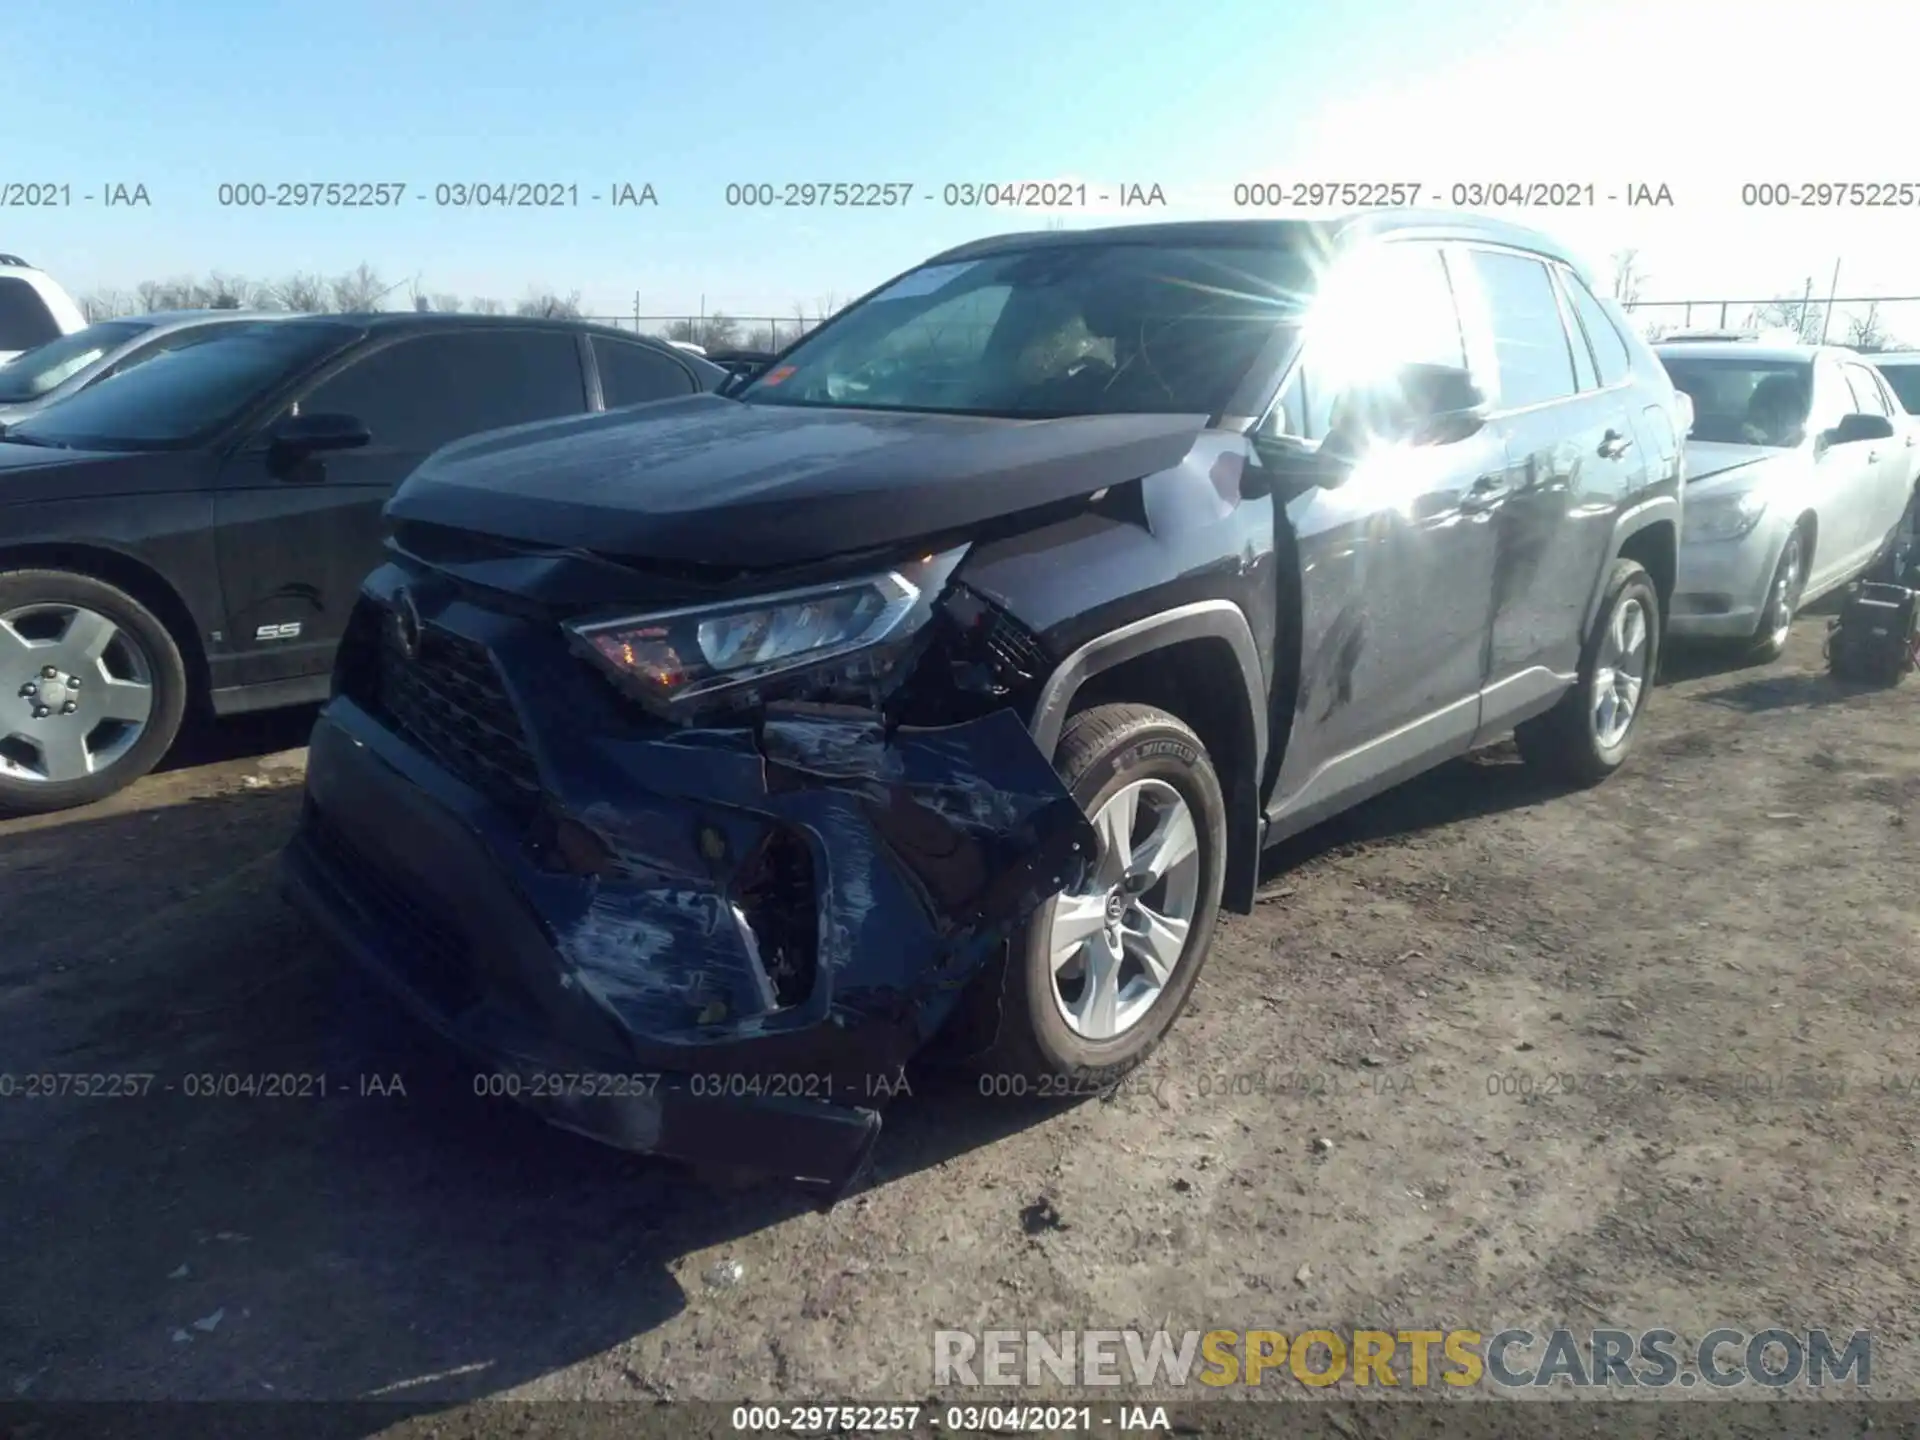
726, 949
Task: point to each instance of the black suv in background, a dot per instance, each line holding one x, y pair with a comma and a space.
197, 528
950, 675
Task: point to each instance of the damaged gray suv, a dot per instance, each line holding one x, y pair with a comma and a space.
695, 766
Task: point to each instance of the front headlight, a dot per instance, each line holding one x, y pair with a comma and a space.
850, 632
1723, 517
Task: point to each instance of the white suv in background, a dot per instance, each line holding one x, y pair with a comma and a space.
33, 309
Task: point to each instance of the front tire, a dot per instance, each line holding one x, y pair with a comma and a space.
1769, 641
92, 690
1588, 735
1095, 977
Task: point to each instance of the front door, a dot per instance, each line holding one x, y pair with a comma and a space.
294, 543
1395, 572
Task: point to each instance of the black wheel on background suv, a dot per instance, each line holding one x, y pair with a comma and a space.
1098, 974
92, 690
1587, 736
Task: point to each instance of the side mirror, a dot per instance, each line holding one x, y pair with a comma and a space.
312, 434
1855, 428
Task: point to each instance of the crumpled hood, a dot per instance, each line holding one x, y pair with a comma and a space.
713, 481
1712, 457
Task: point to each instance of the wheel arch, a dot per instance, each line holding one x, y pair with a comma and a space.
1649, 535
1198, 662
139, 580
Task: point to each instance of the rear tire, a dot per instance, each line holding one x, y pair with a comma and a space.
1098, 1013
92, 690
1588, 735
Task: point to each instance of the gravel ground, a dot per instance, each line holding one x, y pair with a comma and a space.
1485, 1055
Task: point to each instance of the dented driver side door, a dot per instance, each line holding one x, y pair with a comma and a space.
1395, 561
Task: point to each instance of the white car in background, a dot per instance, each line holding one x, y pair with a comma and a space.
1800, 474
48, 374
33, 309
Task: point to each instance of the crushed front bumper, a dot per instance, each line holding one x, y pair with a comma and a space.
1721, 588
609, 950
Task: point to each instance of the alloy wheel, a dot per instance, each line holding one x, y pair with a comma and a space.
76, 692
1113, 947
1783, 597
1621, 674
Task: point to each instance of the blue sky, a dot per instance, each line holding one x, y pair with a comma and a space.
689, 97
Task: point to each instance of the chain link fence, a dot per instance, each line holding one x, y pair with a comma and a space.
1866, 322
714, 332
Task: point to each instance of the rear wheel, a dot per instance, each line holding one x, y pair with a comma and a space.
1100, 972
1769, 640
1587, 736
92, 690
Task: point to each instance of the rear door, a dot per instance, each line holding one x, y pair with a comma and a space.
1574, 463
293, 549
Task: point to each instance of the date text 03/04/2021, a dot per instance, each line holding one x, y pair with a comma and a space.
1012, 1419
1497, 194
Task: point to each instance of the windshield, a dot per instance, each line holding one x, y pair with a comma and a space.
185, 396
1904, 379
1053, 330
1743, 401
33, 373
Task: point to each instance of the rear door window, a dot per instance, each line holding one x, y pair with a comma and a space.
429, 390
633, 374
1609, 350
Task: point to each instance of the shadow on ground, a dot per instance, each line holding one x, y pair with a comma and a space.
208, 741
273, 1157
267, 1146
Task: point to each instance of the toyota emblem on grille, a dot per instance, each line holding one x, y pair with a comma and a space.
406, 624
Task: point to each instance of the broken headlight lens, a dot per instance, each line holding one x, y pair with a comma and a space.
679, 662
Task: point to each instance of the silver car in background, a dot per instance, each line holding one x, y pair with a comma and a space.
47, 374
1799, 472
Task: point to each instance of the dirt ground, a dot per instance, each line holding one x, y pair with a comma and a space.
1486, 1055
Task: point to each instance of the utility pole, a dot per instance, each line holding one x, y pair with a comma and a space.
1826, 320
1806, 297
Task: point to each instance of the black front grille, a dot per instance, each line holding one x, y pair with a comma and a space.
424, 950
448, 700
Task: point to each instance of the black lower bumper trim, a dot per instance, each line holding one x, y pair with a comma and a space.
825, 1146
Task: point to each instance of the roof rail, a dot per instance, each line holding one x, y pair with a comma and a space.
14, 260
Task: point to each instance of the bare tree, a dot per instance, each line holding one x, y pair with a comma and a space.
232, 292
1792, 313
356, 291
301, 293
1868, 331
1628, 278
447, 304
712, 332
545, 305
481, 305
106, 304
